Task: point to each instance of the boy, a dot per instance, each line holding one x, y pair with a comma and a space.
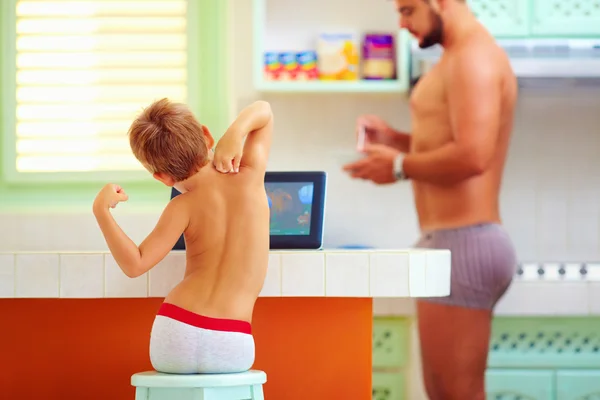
203, 325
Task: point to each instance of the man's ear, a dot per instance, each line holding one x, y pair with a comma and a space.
210, 141
164, 178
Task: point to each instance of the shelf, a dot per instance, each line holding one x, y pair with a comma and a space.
362, 86
275, 31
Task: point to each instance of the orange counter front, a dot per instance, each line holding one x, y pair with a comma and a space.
61, 349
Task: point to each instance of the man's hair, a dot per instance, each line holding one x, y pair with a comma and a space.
166, 138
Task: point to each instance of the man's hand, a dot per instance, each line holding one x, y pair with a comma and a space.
377, 131
109, 197
377, 166
228, 153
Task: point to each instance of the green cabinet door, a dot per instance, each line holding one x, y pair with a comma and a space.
560, 18
503, 18
519, 384
578, 385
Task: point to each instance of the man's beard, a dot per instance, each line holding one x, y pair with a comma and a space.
436, 35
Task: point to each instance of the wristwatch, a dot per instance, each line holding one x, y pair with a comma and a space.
398, 171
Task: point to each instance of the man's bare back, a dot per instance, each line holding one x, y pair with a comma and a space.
475, 200
227, 245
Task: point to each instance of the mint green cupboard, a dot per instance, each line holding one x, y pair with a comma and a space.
539, 18
578, 385
519, 384
575, 18
503, 18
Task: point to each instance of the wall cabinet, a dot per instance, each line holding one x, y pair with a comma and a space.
539, 18
518, 384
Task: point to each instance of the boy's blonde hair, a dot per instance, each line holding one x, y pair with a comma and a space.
166, 138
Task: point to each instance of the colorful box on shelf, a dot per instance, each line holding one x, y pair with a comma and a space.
336, 58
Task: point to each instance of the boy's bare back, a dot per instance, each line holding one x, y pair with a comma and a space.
227, 242
223, 210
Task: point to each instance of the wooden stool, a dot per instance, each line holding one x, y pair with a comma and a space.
154, 385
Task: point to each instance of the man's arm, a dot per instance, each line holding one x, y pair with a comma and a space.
133, 260
255, 124
474, 101
400, 141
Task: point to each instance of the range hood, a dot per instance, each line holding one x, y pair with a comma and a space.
536, 62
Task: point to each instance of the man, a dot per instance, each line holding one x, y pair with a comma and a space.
462, 117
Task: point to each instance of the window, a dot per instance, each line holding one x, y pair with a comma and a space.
83, 70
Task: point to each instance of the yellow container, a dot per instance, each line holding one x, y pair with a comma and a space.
338, 57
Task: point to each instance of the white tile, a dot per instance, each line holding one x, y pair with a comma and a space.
389, 275
593, 272
530, 272
438, 271
347, 275
82, 275
117, 284
272, 284
583, 233
37, 275
302, 274
552, 224
573, 272
518, 207
166, 274
7, 275
544, 298
417, 267
9, 237
594, 298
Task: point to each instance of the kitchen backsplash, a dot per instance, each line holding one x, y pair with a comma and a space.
550, 198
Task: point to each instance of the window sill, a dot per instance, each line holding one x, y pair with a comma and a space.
69, 198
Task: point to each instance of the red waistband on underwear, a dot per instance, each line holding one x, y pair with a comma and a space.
200, 321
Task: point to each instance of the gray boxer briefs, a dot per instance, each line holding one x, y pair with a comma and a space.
483, 263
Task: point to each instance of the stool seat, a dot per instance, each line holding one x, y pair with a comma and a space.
153, 385
158, 379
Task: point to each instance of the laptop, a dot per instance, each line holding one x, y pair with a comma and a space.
297, 209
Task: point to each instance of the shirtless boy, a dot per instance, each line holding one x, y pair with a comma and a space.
462, 118
204, 324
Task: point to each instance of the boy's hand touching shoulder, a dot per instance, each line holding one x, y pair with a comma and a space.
249, 134
228, 153
109, 197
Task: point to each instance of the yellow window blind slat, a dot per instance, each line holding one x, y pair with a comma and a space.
84, 70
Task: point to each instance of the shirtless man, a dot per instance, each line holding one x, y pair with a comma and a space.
204, 324
462, 117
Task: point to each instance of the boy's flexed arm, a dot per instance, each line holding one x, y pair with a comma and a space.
133, 260
255, 125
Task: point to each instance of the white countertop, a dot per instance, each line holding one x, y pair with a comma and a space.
326, 273
544, 289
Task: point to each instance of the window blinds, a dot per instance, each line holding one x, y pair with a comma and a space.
84, 69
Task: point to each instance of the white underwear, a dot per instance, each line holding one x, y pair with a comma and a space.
183, 342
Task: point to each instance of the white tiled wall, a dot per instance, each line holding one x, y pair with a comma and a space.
550, 199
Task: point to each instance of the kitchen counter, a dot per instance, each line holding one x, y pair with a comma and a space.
327, 273
312, 324
539, 289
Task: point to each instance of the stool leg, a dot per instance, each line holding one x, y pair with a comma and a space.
141, 393
257, 392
